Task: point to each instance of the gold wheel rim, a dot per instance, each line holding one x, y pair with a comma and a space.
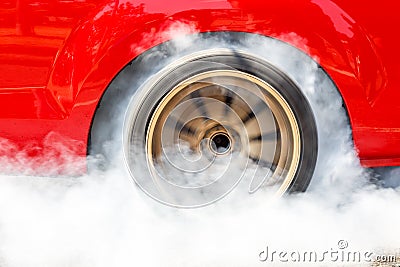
204, 95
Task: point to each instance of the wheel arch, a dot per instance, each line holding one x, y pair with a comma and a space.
103, 44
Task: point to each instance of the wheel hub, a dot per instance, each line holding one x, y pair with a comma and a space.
220, 143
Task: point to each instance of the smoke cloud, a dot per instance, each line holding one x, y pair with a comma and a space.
104, 219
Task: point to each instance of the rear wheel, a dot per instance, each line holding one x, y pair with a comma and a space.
206, 120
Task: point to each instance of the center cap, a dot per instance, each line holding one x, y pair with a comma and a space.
220, 143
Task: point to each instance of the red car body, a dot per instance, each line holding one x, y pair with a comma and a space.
57, 58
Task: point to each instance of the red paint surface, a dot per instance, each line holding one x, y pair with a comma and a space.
58, 56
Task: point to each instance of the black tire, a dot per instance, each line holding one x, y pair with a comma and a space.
141, 86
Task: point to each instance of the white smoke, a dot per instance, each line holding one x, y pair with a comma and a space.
104, 219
